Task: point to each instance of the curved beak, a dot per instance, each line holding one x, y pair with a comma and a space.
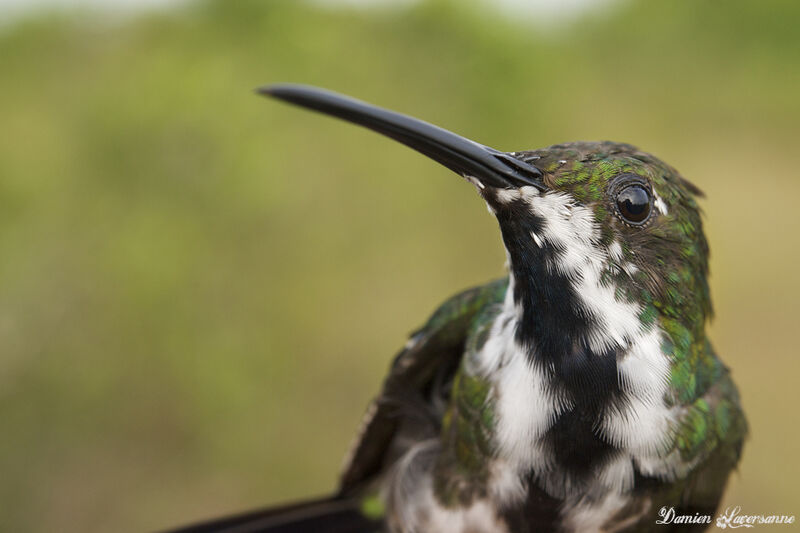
474, 161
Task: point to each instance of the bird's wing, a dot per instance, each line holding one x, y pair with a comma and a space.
415, 393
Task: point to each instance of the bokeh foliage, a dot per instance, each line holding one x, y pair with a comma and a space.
200, 290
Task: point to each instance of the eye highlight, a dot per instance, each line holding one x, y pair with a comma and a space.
632, 199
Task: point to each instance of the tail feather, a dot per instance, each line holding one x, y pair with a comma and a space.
327, 515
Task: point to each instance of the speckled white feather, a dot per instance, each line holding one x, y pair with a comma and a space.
617, 476
643, 427
644, 369
660, 204
414, 508
480, 517
572, 229
525, 406
591, 516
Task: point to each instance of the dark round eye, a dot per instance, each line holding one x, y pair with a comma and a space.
633, 203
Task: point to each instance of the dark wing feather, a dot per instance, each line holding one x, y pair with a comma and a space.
328, 515
415, 391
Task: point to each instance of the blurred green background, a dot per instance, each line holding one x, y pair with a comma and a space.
200, 290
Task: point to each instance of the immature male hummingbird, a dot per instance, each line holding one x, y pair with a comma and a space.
580, 393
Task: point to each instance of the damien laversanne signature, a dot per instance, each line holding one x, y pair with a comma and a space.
731, 518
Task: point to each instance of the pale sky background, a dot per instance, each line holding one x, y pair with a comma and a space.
533, 9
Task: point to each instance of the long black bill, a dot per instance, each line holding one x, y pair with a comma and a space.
468, 158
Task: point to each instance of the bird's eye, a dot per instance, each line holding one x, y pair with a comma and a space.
634, 204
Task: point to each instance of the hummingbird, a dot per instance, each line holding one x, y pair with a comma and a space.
580, 393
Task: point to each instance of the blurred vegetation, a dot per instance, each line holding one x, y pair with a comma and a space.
200, 290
